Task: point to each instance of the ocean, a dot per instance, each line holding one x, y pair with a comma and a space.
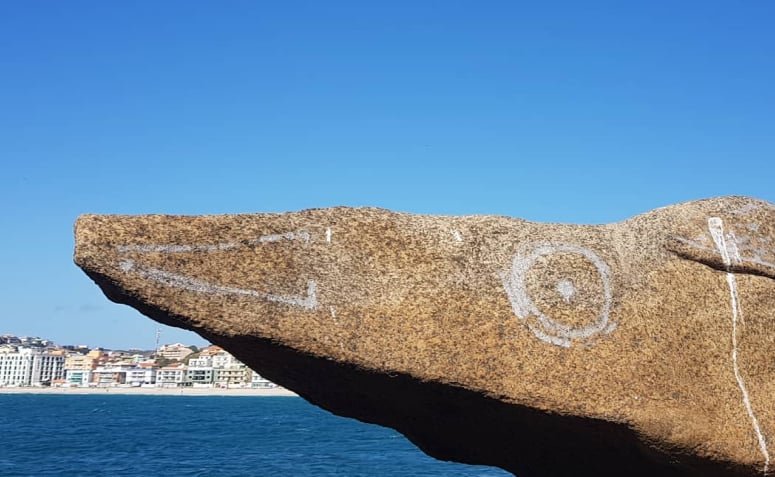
115, 435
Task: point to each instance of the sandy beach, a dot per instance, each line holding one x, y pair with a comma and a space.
153, 391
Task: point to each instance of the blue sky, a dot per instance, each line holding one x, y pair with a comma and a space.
583, 112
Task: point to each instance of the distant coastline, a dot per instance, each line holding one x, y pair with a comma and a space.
151, 391
38, 366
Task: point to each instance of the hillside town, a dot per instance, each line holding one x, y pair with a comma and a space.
36, 362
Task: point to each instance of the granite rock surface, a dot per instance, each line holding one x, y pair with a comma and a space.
644, 347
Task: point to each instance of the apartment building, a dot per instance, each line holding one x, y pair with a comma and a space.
175, 351
141, 375
111, 374
214, 366
236, 374
200, 371
30, 366
124, 373
172, 376
224, 359
79, 368
258, 381
15, 366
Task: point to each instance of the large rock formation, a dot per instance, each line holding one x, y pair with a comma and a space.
639, 348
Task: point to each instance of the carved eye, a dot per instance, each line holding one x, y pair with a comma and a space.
561, 291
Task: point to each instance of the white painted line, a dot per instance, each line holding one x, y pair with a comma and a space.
184, 282
739, 260
328, 234
177, 280
300, 235
758, 261
457, 236
729, 254
175, 248
218, 247
716, 227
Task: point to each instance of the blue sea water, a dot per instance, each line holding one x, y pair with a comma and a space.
115, 435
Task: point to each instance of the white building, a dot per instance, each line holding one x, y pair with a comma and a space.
224, 359
77, 377
141, 375
172, 376
29, 367
116, 374
236, 374
46, 367
259, 381
200, 371
15, 366
111, 374
175, 351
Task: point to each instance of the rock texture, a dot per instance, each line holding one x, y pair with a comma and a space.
638, 348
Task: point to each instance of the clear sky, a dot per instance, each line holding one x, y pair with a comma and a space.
569, 111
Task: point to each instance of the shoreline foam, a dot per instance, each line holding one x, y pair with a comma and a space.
154, 391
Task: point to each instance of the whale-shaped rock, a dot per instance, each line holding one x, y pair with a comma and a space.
638, 348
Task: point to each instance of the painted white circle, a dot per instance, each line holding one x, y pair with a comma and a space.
545, 327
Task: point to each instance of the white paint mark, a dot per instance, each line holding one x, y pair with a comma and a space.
328, 235
716, 227
567, 289
730, 254
308, 301
747, 208
548, 329
457, 236
333, 311
759, 261
156, 248
696, 244
731, 243
300, 235
739, 259
177, 280
175, 248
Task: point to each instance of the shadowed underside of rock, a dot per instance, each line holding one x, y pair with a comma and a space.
637, 348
